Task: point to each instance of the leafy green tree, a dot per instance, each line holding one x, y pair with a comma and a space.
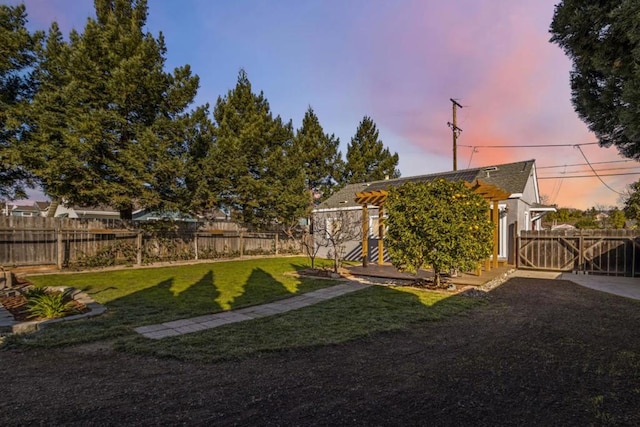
17, 59
367, 158
439, 224
586, 223
256, 175
602, 39
632, 202
109, 122
617, 218
319, 156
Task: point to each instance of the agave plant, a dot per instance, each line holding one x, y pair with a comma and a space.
50, 305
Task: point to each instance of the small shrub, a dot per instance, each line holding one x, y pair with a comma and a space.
50, 305
34, 292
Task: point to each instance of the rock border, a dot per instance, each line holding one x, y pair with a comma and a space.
9, 325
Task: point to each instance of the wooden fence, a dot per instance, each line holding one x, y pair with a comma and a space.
605, 252
69, 243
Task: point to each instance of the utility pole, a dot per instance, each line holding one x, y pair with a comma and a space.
456, 132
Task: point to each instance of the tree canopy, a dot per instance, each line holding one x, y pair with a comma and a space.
603, 41
367, 157
632, 202
17, 59
319, 156
439, 224
108, 120
256, 176
93, 118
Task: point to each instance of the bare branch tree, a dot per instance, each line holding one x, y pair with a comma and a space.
334, 229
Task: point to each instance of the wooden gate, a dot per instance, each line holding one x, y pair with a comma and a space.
606, 252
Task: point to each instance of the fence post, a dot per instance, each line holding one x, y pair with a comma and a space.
276, 237
195, 244
139, 248
59, 248
241, 245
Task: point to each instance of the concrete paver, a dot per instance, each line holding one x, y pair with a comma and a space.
200, 323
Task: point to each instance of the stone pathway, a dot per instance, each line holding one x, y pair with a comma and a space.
195, 324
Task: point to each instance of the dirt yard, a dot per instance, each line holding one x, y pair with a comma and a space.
541, 352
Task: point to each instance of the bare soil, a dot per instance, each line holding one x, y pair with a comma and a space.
541, 352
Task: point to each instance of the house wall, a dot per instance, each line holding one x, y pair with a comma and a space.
516, 216
352, 217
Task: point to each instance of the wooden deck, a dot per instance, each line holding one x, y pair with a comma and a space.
388, 271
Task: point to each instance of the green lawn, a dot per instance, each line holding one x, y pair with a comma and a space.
138, 297
358, 315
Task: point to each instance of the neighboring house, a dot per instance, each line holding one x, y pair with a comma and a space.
562, 227
520, 211
43, 207
24, 210
27, 210
88, 212
151, 215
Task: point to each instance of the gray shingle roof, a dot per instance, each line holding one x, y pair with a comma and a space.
511, 177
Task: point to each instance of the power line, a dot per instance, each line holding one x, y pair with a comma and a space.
601, 170
583, 164
596, 173
528, 146
590, 176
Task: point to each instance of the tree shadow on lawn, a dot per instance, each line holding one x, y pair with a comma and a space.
166, 302
359, 315
260, 287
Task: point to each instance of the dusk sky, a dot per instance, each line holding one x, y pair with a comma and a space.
398, 62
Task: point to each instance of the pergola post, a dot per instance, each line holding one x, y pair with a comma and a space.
365, 235
380, 235
487, 261
495, 233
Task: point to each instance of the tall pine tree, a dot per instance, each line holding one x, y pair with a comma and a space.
109, 121
319, 156
367, 158
254, 173
17, 59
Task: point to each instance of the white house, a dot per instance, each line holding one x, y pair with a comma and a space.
520, 211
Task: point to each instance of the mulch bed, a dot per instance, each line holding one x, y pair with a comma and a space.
539, 352
17, 306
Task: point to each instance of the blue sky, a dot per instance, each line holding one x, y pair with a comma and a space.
398, 62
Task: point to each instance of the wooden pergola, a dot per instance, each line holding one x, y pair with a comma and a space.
491, 193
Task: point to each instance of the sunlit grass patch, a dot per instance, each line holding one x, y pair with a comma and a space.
140, 297
353, 316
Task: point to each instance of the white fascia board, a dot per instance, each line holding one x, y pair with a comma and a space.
545, 209
516, 196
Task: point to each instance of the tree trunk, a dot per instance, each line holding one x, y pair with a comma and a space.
436, 278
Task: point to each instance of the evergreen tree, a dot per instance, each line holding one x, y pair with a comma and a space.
17, 58
367, 158
109, 121
319, 156
200, 179
255, 175
602, 39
